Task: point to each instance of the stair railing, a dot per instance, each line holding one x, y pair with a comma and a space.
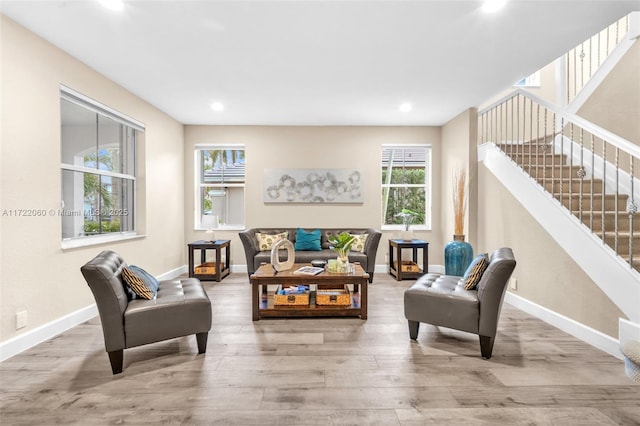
583, 61
588, 170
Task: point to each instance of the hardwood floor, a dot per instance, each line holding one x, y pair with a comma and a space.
322, 371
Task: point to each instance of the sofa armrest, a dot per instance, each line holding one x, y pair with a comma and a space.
371, 246
248, 238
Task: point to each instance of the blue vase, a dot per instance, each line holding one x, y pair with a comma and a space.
458, 254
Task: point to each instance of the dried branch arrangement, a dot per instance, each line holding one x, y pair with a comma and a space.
459, 200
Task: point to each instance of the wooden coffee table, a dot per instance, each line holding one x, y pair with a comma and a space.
262, 299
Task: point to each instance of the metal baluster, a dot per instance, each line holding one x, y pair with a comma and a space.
531, 133
615, 200
504, 148
632, 209
570, 165
591, 57
582, 173
561, 162
604, 179
511, 121
607, 42
581, 65
518, 141
593, 175
537, 140
575, 72
599, 47
544, 168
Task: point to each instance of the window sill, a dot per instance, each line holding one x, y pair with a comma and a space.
223, 228
401, 228
72, 243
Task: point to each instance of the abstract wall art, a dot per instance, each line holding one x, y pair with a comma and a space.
312, 186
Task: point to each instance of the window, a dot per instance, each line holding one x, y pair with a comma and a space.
98, 149
532, 81
406, 172
219, 186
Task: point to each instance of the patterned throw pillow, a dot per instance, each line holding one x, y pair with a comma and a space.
358, 244
266, 241
475, 270
150, 281
137, 284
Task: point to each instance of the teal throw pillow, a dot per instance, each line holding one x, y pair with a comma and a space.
474, 272
309, 241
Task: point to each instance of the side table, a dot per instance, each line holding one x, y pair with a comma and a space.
408, 270
221, 268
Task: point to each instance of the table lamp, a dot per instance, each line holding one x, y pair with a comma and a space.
209, 222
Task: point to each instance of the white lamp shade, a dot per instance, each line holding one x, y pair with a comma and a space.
209, 221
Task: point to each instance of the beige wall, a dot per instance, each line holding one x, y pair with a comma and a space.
459, 151
615, 105
36, 274
545, 273
310, 147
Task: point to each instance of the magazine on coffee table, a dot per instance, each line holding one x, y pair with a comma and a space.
309, 270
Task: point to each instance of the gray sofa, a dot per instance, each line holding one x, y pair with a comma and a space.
180, 308
367, 259
442, 300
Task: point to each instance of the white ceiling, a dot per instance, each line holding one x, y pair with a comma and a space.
316, 62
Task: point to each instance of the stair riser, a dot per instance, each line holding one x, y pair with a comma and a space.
609, 225
554, 186
548, 160
565, 172
623, 245
609, 204
526, 149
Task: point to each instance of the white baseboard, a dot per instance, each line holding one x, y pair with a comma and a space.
587, 334
174, 273
45, 332
239, 269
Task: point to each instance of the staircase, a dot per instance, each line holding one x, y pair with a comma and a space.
586, 198
574, 177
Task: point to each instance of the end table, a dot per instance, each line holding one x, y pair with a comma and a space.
221, 268
408, 270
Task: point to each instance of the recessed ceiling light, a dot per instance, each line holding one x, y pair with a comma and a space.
490, 6
112, 4
405, 107
217, 106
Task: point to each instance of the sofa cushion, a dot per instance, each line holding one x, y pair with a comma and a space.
266, 241
359, 243
474, 272
306, 240
137, 285
182, 307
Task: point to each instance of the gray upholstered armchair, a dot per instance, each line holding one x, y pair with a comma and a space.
180, 308
443, 301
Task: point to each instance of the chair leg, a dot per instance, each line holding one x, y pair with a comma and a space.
486, 346
413, 329
201, 338
116, 357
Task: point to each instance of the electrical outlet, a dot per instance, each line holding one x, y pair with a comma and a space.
21, 319
514, 284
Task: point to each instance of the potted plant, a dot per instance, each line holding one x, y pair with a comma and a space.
407, 218
341, 244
